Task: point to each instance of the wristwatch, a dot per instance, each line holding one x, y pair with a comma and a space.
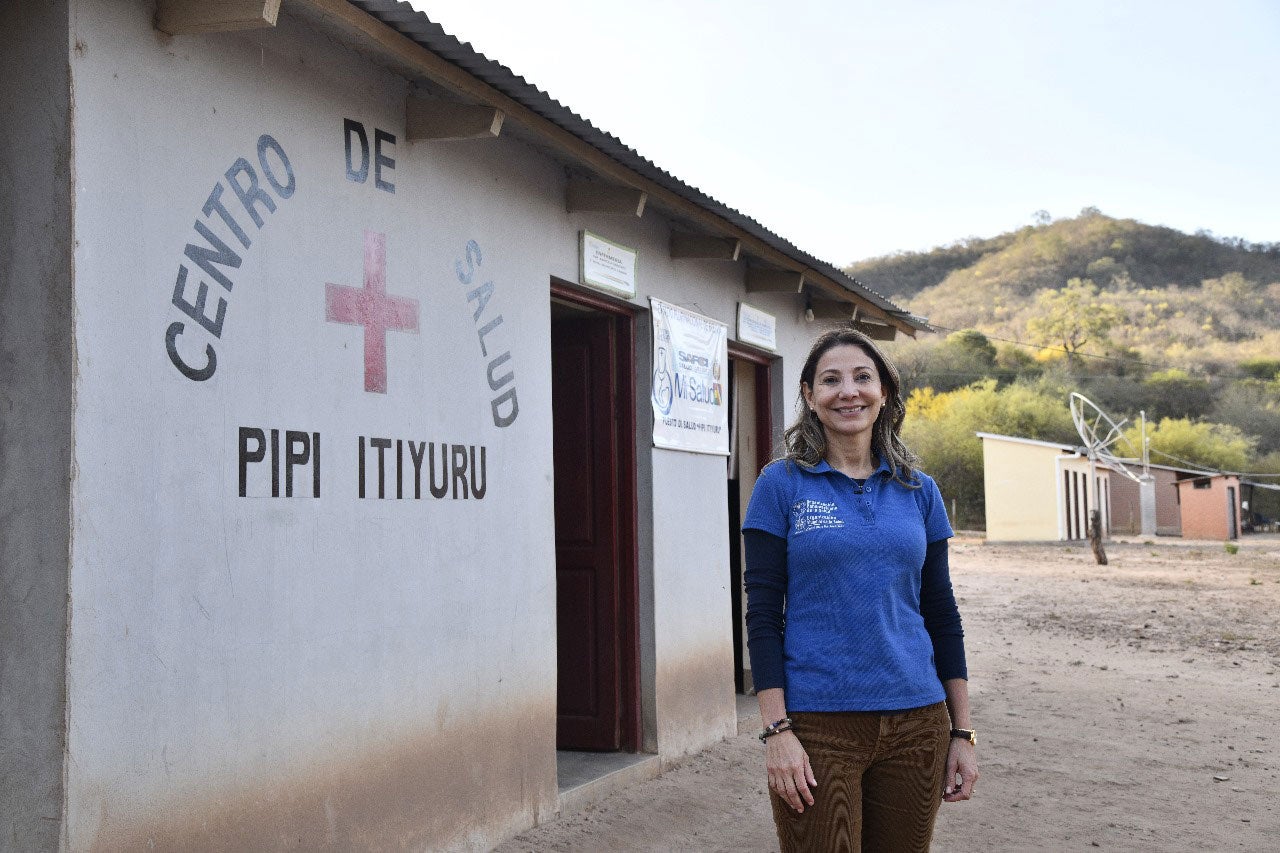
966, 734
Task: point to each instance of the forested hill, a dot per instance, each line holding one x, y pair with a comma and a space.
1090, 245
1145, 321
1180, 299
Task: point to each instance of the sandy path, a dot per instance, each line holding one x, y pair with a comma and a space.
1134, 706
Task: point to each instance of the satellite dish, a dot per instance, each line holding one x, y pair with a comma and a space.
1100, 434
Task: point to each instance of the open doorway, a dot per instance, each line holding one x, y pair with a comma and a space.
750, 449
597, 588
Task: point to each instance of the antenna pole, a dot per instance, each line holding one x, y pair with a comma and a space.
1146, 446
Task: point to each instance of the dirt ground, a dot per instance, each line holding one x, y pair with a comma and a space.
1134, 706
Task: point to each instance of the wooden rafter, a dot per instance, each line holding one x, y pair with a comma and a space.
437, 120
831, 309
685, 245
876, 331
183, 17
584, 196
760, 280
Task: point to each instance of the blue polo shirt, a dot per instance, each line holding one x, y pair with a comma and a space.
854, 639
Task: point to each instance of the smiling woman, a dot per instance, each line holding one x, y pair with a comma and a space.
807, 441
846, 395
863, 686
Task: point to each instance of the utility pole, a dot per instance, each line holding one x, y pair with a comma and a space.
1146, 484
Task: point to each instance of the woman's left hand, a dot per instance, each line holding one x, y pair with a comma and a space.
962, 760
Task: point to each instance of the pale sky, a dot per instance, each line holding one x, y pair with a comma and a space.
865, 127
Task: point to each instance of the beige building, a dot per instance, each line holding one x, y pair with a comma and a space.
1037, 491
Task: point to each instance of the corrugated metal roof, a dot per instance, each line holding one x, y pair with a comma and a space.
416, 26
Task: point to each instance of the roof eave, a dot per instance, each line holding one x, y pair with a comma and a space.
396, 31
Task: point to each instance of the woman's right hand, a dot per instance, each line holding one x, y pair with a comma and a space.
790, 775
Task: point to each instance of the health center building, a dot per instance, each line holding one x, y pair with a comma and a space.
374, 432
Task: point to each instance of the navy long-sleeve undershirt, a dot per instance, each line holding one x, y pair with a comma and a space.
766, 584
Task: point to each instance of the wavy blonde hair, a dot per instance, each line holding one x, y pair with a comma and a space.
805, 441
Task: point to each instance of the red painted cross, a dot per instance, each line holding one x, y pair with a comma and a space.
369, 306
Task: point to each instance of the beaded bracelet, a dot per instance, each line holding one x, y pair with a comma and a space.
783, 725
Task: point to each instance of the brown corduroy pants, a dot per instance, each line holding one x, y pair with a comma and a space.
880, 779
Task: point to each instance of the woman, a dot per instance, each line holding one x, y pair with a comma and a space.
864, 689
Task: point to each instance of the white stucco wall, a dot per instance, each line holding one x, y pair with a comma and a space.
692, 618
348, 670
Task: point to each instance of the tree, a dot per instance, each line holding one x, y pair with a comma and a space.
1266, 502
1072, 317
1233, 288
1118, 396
1104, 269
1254, 407
1176, 394
1016, 361
1261, 368
1181, 441
974, 343
1269, 464
962, 359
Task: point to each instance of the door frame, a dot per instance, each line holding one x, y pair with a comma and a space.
623, 315
763, 364
764, 396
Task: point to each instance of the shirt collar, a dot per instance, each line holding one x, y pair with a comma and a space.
824, 467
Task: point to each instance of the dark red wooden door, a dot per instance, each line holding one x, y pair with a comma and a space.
586, 511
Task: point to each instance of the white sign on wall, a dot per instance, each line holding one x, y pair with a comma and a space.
757, 327
606, 265
690, 374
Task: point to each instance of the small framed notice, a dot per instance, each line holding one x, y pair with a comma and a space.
757, 327
606, 265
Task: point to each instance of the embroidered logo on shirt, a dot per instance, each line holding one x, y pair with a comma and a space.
809, 515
